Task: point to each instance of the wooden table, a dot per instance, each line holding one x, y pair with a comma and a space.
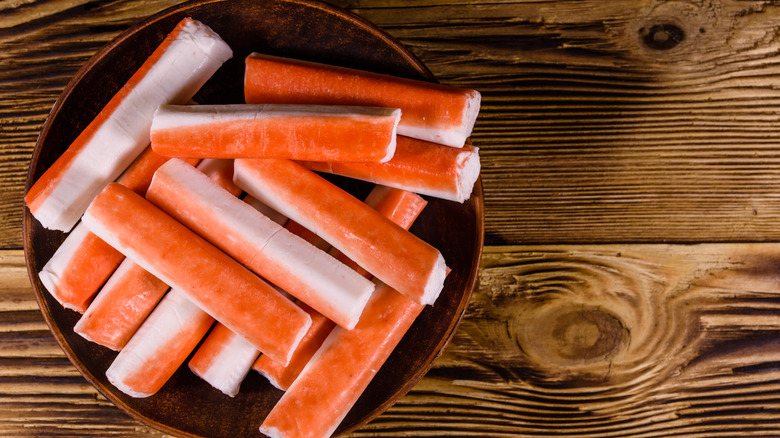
630, 285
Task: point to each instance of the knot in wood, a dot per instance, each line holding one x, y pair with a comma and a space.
663, 36
586, 334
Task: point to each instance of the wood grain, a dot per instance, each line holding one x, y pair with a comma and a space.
617, 123
587, 133
609, 340
585, 341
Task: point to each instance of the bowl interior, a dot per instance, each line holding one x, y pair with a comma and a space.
186, 406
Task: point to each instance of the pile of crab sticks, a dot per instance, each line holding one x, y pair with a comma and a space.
206, 231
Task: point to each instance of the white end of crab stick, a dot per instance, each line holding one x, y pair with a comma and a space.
433, 112
174, 72
386, 250
299, 132
418, 166
333, 380
273, 252
121, 306
210, 364
160, 346
217, 283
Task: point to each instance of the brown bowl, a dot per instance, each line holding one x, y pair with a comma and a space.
186, 406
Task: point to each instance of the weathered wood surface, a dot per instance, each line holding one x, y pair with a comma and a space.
585, 341
606, 123
595, 127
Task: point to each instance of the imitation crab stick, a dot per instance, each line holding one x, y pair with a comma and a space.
330, 384
213, 280
131, 293
386, 250
401, 207
434, 112
174, 72
257, 242
120, 307
160, 346
225, 358
83, 263
79, 267
221, 172
301, 132
208, 362
417, 166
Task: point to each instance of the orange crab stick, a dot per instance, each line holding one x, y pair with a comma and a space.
221, 172
330, 384
160, 346
127, 298
386, 250
174, 72
213, 280
433, 112
83, 263
262, 245
78, 268
401, 207
417, 166
301, 132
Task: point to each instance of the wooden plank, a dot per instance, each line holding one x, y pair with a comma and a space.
612, 340
592, 129
564, 340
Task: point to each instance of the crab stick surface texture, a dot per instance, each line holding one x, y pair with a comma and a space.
383, 248
401, 207
83, 263
301, 132
254, 240
433, 112
160, 346
174, 72
330, 384
417, 166
213, 280
121, 306
282, 376
223, 360
221, 172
